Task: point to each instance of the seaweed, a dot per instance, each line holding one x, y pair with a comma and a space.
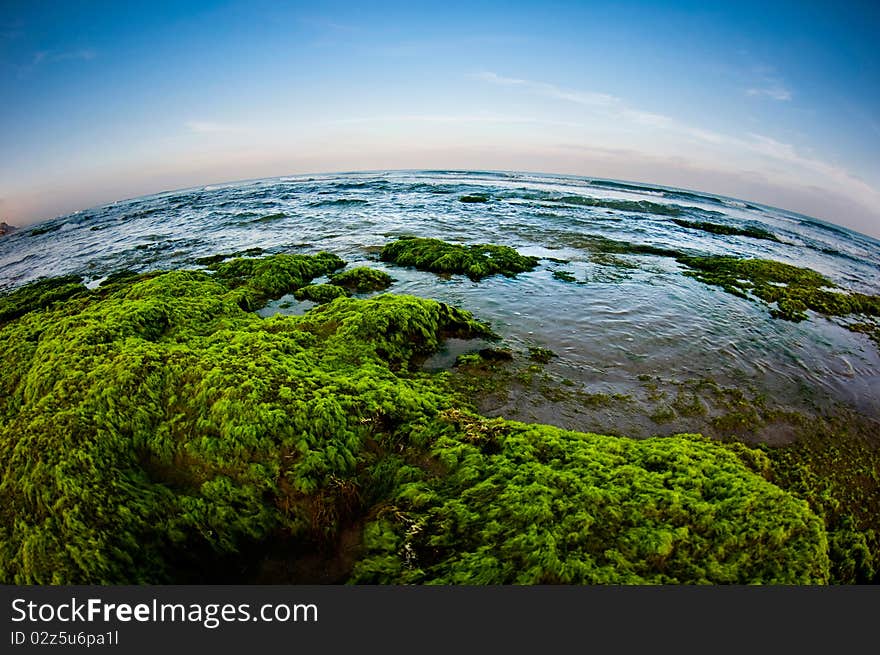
728, 230
38, 294
362, 279
599, 244
258, 280
154, 430
475, 198
151, 430
564, 276
794, 290
320, 293
835, 467
530, 504
542, 355
475, 261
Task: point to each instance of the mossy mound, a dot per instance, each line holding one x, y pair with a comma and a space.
362, 279
528, 504
152, 430
727, 230
39, 294
148, 430
320, 293
475, 261
257, 280
794, 290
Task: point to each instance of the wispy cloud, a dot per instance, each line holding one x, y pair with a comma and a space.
603, 102
451, 119
774, 92
766, 155
50, 56
768, 84
551, 90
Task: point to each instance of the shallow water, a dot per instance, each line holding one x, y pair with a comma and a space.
623, 321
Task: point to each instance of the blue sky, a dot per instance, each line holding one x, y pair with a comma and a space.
777, 104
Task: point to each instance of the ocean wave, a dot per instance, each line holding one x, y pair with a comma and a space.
338, 202
270, 218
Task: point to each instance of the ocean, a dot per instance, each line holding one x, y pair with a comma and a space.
637, 340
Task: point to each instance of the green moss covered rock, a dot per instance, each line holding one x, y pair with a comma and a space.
154, 430
475, 261
362, 279
320, 293
793, 289
530, 504
727, 230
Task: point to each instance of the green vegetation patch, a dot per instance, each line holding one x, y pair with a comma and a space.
727, 230
542, 355
564, 276
362, 279
39, 294
320, 293
153, 430
614, 204
475, 261
530, 504
794, 290
257, 280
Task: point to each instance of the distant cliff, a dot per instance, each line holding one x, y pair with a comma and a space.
6, 229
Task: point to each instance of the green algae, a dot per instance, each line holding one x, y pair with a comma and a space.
258, 280
474, 198
527, 504
792, 289
595, 243
564, 276
150, 429
362, 279
475, 261
607, 259
835, 466
613, 204
542, 355
635, 206
154, 429
39, 294
37, 231
727, 230
320, 293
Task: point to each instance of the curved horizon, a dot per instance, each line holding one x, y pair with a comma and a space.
745, 100
644, 183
